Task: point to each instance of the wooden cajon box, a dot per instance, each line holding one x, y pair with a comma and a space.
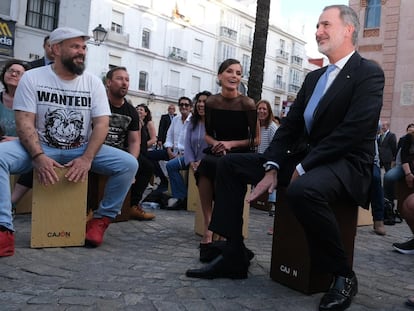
193, 198
58, 213
290, 263
364, 217
199, 219
262, 202
96, 187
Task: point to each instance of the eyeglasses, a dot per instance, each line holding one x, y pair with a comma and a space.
183, 105
16, 72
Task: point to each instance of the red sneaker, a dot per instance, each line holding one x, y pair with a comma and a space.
95, 230
6, 243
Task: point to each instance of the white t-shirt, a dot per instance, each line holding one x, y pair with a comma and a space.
64, 108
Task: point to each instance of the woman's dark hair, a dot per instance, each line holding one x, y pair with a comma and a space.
195, 117
227, 63
6, 67
148, 117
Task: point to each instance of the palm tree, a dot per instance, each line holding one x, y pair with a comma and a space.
259, 50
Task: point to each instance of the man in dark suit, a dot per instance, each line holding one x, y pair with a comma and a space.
164, 125
387, 145
321, 163
47, 58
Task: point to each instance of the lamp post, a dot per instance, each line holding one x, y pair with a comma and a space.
151, 98
99, 34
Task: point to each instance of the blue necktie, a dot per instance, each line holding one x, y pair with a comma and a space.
316, 97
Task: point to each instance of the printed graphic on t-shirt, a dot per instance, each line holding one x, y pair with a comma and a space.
63, 116
118, 130
63, 128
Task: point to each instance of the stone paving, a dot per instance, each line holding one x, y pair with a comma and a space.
141, 266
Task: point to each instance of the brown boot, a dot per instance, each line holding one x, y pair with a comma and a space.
379, 227
138, 213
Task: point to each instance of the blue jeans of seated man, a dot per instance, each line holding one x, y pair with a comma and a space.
390, 178
377, 195
178, 187
119, 165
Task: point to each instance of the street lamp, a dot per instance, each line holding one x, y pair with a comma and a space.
151, 98
99, 34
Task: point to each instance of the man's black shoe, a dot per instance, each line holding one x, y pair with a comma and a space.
210, 251
219, 268
339, 296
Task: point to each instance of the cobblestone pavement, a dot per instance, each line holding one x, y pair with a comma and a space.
141, 265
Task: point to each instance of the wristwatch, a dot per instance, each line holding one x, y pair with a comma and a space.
269, 167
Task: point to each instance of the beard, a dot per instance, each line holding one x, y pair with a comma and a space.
69, 64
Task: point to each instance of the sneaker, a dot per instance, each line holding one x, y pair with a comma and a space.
95, 230
6, 242
138, 213
405, 248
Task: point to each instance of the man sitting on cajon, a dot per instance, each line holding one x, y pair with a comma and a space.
62, 116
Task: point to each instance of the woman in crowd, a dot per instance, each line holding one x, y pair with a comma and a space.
195, 141
11, 73
145, 169
10, 76
231, 126
268, 127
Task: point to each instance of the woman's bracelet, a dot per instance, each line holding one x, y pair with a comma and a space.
408, 174
37, 155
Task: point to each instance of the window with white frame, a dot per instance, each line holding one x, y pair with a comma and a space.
114, 61
117, 23
373, 14
143, 81
42, 14
198, 47
226, 51
195, 84
146, 35
5, 7
246, 65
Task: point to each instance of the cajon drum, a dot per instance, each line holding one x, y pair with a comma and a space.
96, 187
58, 213
199, 218
364, 217
290, 263
193, 198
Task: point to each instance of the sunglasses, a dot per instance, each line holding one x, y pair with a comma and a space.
183, 105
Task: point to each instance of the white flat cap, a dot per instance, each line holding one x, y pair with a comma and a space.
63, 33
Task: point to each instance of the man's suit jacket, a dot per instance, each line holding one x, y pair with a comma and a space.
387, 147
37, 63
344, 128
163, 127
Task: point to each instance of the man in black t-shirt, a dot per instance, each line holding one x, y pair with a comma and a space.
124, 132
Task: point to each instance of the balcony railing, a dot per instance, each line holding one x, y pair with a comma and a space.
296, 60
282, 55
177, 54
293, 88
228, 33
173, 92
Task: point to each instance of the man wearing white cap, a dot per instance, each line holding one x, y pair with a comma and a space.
62, 116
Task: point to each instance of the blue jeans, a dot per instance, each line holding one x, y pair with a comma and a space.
377, 195
390, 179
178, 187
119, 165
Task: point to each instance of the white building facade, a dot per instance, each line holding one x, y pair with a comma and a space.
170, 48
